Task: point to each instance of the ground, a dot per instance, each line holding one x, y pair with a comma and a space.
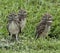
35, 9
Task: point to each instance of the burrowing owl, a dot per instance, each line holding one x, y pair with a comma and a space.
13, 25
44, 26
22, 18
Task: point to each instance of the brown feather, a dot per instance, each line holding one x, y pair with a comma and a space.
44, 25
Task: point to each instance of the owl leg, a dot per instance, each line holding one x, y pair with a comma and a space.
10, 36
36, 36
16, 37
47, 35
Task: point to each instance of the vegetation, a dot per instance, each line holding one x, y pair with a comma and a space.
35, 9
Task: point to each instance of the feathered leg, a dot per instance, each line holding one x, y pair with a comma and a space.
10, 36
16, 37
36, 36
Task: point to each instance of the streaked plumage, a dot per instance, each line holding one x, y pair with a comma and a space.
44, 26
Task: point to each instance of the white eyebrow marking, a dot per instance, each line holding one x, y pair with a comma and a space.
49, 21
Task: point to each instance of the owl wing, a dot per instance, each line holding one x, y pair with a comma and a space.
40, 29
8, 27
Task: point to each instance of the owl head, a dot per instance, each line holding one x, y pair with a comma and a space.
22, 14
47, 18
12, 17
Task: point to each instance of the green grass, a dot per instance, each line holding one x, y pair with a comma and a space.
35, 9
